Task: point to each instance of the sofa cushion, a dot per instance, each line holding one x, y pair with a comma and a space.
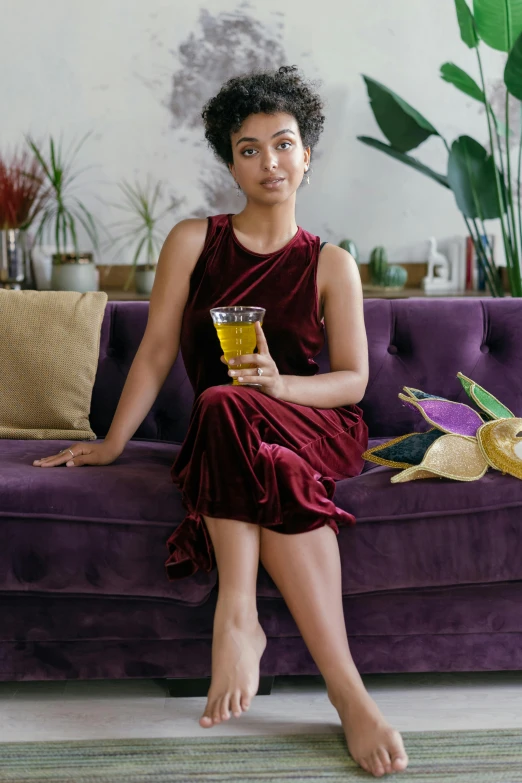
430, 532
94, 529
122, 329
48, 355
103, 530
424, 342
426, 533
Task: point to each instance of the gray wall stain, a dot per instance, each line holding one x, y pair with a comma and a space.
227, 45
219, 193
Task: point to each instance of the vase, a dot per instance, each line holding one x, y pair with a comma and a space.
73, 272
13, 259
144, 278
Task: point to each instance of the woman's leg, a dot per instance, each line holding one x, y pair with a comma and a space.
306, 568
238, 640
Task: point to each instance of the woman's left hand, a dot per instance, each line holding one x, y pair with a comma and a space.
269, 381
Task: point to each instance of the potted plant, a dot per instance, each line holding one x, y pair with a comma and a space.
72, 269
141, 231
22, 196
486, 183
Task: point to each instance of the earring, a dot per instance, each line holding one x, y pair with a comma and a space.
307, 177
238, 191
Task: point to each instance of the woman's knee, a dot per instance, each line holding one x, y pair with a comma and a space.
220, 400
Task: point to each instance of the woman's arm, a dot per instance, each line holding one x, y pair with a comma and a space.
339, 281
160, 343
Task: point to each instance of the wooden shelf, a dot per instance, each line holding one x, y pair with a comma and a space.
374, 292
114, 279
126, 296
369, 292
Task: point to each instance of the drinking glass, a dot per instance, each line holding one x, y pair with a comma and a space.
236, 331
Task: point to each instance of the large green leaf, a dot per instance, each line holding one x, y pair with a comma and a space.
499, 22
466, 24
402, 125
462, 81
471, 176
407, 159
513, 70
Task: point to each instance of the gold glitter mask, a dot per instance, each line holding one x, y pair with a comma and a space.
451, 456
501, 445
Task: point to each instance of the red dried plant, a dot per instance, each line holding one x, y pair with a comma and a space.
22, 191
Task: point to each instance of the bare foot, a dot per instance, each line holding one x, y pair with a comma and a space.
236, 652
373, 744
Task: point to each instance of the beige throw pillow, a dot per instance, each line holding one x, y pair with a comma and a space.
49, 346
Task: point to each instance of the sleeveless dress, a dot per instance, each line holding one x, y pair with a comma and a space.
247, 455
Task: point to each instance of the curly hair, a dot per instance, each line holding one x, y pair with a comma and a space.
267, 92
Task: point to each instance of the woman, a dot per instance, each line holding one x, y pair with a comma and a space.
256, 468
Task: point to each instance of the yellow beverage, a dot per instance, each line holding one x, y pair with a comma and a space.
237, 339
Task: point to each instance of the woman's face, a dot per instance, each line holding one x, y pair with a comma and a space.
269, 146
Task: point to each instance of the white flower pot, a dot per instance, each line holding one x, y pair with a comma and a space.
81, 276
144, 278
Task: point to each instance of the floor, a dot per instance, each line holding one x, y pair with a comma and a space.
141, 708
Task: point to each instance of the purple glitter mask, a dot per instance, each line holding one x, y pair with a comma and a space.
451, 417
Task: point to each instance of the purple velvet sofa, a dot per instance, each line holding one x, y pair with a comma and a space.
432, 571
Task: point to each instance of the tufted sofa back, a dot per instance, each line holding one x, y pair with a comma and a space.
412, 342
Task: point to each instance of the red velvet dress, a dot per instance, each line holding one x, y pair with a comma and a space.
249, 456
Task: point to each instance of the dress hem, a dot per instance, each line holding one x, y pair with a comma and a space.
190, 545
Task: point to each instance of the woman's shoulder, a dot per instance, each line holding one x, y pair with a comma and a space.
191, 227
198, 227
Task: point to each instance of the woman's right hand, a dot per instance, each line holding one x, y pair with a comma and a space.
82, 454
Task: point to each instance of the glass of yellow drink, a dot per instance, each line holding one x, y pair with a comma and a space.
236, 331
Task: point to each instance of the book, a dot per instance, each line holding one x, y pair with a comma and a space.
475, 275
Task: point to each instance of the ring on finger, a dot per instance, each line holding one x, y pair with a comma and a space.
260, 371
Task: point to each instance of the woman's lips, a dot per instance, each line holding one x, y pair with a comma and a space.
273, 184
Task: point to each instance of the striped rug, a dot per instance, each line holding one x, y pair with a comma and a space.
435, 757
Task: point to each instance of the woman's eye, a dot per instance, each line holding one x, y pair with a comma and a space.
250, 149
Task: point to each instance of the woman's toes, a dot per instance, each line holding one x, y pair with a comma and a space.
364, 764
399, 761
377, 767
245, 702
206, 719
225, 707
235, 704
384, 757
211, 713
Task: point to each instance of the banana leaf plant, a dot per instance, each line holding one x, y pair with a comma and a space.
486, 183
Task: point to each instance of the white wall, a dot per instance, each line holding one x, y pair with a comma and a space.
109, 65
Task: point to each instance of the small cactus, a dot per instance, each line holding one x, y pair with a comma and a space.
378, 265
351, 247
395, 276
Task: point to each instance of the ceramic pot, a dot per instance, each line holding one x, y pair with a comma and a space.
74, 273
144, 278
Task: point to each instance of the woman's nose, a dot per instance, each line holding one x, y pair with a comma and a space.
269, 163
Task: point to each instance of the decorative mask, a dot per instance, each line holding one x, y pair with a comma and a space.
460, 445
